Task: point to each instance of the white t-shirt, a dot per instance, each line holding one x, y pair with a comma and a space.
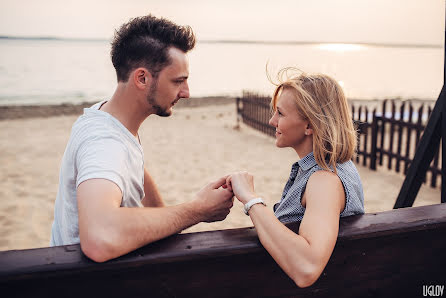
99, 147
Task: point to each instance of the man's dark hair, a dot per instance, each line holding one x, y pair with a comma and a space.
145, 41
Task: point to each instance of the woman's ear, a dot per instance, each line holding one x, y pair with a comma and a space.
308, 130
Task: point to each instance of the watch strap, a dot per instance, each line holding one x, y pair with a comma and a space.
252, 203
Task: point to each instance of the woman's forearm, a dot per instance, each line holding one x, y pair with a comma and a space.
292, 252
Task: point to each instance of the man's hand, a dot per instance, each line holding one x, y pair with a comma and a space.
214, 202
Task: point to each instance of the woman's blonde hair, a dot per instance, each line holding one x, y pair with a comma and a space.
321, 101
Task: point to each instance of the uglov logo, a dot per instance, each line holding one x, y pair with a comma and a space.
433, 291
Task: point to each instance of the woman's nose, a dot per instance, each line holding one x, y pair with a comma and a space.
273, 121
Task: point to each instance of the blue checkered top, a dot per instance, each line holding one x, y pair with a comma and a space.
290, 209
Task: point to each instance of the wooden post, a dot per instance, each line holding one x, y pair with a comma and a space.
423, 156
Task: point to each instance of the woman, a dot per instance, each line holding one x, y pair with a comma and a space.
311, 116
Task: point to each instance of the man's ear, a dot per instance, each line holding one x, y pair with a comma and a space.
141, 78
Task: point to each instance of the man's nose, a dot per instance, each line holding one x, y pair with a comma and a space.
184, 92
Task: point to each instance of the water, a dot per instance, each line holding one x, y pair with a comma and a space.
74, 71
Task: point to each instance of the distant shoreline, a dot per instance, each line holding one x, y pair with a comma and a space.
9, 112
242, 42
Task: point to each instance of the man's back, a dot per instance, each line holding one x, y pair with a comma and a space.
99, 147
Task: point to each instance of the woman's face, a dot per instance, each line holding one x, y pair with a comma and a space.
291, 129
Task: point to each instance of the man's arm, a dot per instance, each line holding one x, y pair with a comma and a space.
152, 196
107, 230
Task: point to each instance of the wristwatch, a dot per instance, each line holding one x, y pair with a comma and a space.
252, 203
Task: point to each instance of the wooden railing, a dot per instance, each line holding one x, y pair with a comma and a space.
387, 254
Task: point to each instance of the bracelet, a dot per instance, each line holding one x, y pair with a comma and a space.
252, 203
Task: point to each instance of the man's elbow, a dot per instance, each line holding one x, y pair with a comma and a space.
97, 249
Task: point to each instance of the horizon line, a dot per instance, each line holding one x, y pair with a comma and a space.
235, 41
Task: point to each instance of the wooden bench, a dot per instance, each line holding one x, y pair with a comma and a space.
387, 254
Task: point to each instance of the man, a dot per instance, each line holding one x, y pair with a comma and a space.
102, 172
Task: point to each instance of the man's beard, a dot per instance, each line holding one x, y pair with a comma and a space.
151, 99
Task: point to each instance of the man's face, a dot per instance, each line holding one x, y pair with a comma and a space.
170, 85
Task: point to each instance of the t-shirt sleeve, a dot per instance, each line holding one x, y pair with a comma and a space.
101, 158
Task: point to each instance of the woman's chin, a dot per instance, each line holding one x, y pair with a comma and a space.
278, 144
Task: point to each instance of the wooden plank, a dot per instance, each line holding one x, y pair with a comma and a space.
380, 254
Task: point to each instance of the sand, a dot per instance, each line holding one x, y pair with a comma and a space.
182, 152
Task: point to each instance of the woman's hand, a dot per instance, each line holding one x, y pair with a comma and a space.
242, 185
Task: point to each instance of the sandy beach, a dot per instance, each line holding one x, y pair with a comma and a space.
183, 152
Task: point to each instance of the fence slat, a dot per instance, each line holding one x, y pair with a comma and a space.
366, 136
392, 131
408, 139
382, 130
400, 135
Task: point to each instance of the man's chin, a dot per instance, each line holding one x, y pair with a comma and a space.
165, 113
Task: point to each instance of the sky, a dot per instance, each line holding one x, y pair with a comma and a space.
350, 21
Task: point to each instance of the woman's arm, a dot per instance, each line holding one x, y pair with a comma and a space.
302, 256
152, 196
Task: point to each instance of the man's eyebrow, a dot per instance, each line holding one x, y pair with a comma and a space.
181, 78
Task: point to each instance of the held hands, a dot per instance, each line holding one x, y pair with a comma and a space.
242, 185
214, 201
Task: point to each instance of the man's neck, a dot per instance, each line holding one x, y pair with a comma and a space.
127, 108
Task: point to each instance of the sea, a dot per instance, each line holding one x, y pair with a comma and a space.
41, 71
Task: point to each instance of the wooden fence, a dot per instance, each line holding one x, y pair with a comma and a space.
389, 130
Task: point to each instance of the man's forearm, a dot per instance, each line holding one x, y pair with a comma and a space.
126, 229
107, 230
